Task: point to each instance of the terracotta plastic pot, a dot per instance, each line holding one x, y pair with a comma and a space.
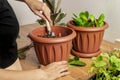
50, 50
88, 40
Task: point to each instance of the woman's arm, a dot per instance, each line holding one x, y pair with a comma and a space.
36, 6
49, 72
22, 75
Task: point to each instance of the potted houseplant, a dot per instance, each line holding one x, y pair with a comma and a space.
90, 32
56, 12
53, 48
106, 66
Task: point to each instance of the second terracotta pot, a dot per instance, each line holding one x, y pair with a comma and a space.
88, 40
50, 50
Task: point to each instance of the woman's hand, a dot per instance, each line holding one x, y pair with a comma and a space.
39, 8
56, 70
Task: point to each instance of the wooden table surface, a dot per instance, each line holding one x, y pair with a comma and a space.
31, 62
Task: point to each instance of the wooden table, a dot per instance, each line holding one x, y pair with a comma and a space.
31, 62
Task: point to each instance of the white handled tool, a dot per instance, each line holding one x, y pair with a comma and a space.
50, 33
48, 27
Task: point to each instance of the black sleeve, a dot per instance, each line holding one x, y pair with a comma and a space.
9, 29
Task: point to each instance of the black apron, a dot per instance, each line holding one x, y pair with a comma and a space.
9, 29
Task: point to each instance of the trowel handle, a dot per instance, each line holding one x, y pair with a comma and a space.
48, 26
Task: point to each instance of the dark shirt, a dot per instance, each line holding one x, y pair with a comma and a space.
9, 29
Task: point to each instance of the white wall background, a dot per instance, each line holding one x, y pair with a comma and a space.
111, 9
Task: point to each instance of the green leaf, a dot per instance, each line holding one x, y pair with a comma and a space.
59, 17
101, 18
60, 10
77, 63
92, 69
106, 74
53, 4
41, 21
53, 16
57, 5
99, 58
78, 21
101, 24
83, 16
75, 15
88, 24
105, 55
81, 13
21, 55
100, 63
115, 62
86, 14
92, 18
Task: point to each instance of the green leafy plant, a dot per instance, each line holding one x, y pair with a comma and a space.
106, 67
88, 20
56, 12
75, 61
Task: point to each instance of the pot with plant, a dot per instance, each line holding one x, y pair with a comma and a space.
54, 46
106, 66
90, 32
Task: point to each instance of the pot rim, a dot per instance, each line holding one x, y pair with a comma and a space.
79, 28
52, 40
